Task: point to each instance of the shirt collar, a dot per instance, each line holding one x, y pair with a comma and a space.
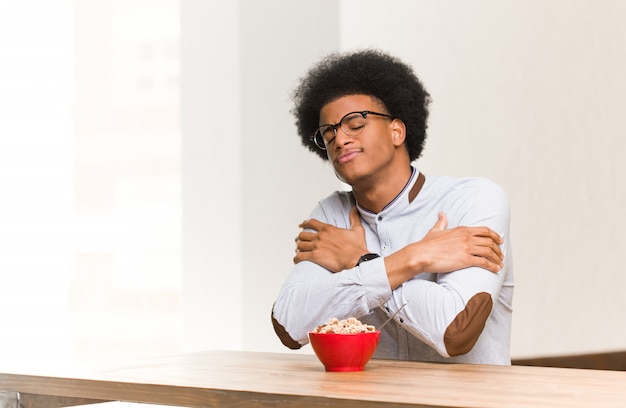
401, 201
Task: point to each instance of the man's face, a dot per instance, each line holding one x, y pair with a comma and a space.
370, 149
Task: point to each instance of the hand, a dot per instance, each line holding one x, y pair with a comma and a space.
446, 250
331, 247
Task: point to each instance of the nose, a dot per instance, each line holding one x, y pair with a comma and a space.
341, 138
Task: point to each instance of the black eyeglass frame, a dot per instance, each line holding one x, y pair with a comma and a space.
321, 144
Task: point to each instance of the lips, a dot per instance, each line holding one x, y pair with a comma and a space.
346, 156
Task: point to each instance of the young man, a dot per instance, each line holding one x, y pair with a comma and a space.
433, 249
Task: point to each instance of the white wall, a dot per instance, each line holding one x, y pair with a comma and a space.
247, 184
211, 120
528, 94
90, 240
281, 180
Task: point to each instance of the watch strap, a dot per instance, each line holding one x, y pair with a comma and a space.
367, 257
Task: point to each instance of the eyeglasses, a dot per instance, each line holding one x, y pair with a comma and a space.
351, 124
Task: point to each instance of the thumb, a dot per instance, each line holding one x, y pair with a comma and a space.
355, 218
442, 222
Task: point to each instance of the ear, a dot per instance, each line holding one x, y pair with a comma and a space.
398, 132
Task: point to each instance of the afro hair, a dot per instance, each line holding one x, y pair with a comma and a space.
366, 72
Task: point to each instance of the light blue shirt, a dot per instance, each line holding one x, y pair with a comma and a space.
436, 304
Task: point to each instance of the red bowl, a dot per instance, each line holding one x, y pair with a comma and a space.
344, 352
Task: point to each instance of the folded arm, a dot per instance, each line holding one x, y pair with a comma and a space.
448, 279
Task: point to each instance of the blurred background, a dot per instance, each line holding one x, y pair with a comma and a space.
151, 181
90, 177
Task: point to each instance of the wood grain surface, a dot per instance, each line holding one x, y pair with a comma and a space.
253, 379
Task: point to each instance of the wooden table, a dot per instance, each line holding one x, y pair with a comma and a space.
252, 379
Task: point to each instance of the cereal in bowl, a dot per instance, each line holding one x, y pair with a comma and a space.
350, 325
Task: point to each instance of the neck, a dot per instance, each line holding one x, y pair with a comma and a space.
375, 194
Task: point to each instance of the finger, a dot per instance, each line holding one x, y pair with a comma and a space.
488, 265
306, 236
493, 259
442, 222
305, 246
497, 238
305, 224
488, 259
297, 258
312, 224
487, 232
301, 256
355, 218
489, 243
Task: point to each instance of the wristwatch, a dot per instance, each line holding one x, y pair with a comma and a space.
367, 257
